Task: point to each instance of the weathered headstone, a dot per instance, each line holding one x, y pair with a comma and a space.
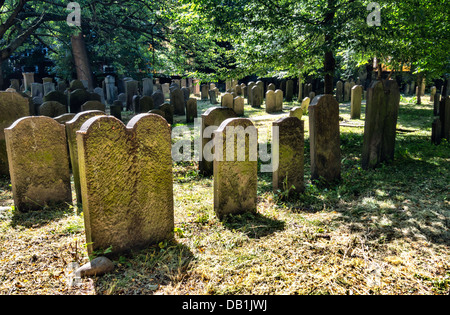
347, 90
256, 97
52, 109
227, 100
288, 154
37, 90
147, 87
340, 91
76, 85
116, 109
56, 96
238, 105
28, 79
177, 101
211, 119
110, 82
271, 101
12, 107
383, 99
289, 90
444, 116
168, 112
38, 163
48, 87
305, 105
62, 119
296, 112
324, 138
272, 87
78, 98
126, 182
212, 97
250, 86
279, 100
72, 127
100, 93
93, 105
235, 167
204, 92
191, 110
355, 104
131, 89
158, 98
144, 105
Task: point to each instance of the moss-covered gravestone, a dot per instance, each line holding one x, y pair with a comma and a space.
93, 105
383, 100
305, 105
211, 120
288, 154
52, 109
12, 107
271, 101
235, 167
126, 182
355, 103
72, 127
38, 162
62, 119
296, 112
324, 136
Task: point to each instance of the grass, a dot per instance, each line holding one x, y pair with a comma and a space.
382, 231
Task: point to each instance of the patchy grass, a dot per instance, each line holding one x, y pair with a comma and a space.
383, 231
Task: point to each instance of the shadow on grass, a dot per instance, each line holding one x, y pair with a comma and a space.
39, 218
254, 225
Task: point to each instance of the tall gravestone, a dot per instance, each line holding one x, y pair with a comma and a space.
72, 127
355, 104
213, 97
250, 86
347, 91
256, 97
12, 107
383, 99
110, 84
38, 163
204, 92
340, 91
158, 98
235, 167
147, 87
126, 182
289, 90
131, 89
279, 100
271, 101
211, 120
444, 116
324, 138
191, 110
238, 105
177, 101
288, 152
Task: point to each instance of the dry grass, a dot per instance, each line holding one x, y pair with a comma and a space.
384, 231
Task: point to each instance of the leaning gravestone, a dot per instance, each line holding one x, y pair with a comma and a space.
296, 112
211, 119
72, 127
324, 138
288, 153
383, 99
279, 100
235, 167
191, 110
126, 182
305, 105
355, 104
12, 107
271, 101
177, 101
52, 109
39, 163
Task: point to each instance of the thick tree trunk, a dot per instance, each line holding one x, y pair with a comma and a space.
81, 60
329, 67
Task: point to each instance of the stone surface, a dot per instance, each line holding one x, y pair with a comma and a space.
168, 112
52, 109
212, 118
296, 111
235, 167
62, 119
238, 105
77, 98
324, 138
56, 96
12, 107
288, 153
355, 103
383, 99
289, 90
256, 99
158, 98
227, 100
72, 127
444, 116
279, 100
340, 91
93, 105
38, 162
144, 105
126, 182
116, 109
305, 105
177, 101
271, 101
96, 267
347, 91
191, 110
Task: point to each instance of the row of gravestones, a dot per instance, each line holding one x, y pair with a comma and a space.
124, 172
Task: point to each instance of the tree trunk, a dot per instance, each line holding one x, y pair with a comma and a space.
1, 75
81, 60
419, 89
329, 66
300, 88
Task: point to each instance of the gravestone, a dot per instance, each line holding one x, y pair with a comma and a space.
144, 105
38, 162
305, 105
211, 120
15, 84
271, 87
100, 93
62, 119
212, 97
93, 105
279, 100
177, 101
157, 112
432, 93
158, 98
383, 99
271, 101
355, 105
340, 91
116, 109
444, 116
191, 110
238, 105
324, 138
76, 85
56, 96
12, 107
288, 153
347, 90
260, 85
131, 89
110, 82
48, 87
126, 182
256, 97
52, 109
250, 86
77, 98
37, 90
168, 112
235, 167
147, 87
436, 102
72, 127
204, 92
227, 100
186, 94
289, 90
28, 79
436, 131
296, 112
